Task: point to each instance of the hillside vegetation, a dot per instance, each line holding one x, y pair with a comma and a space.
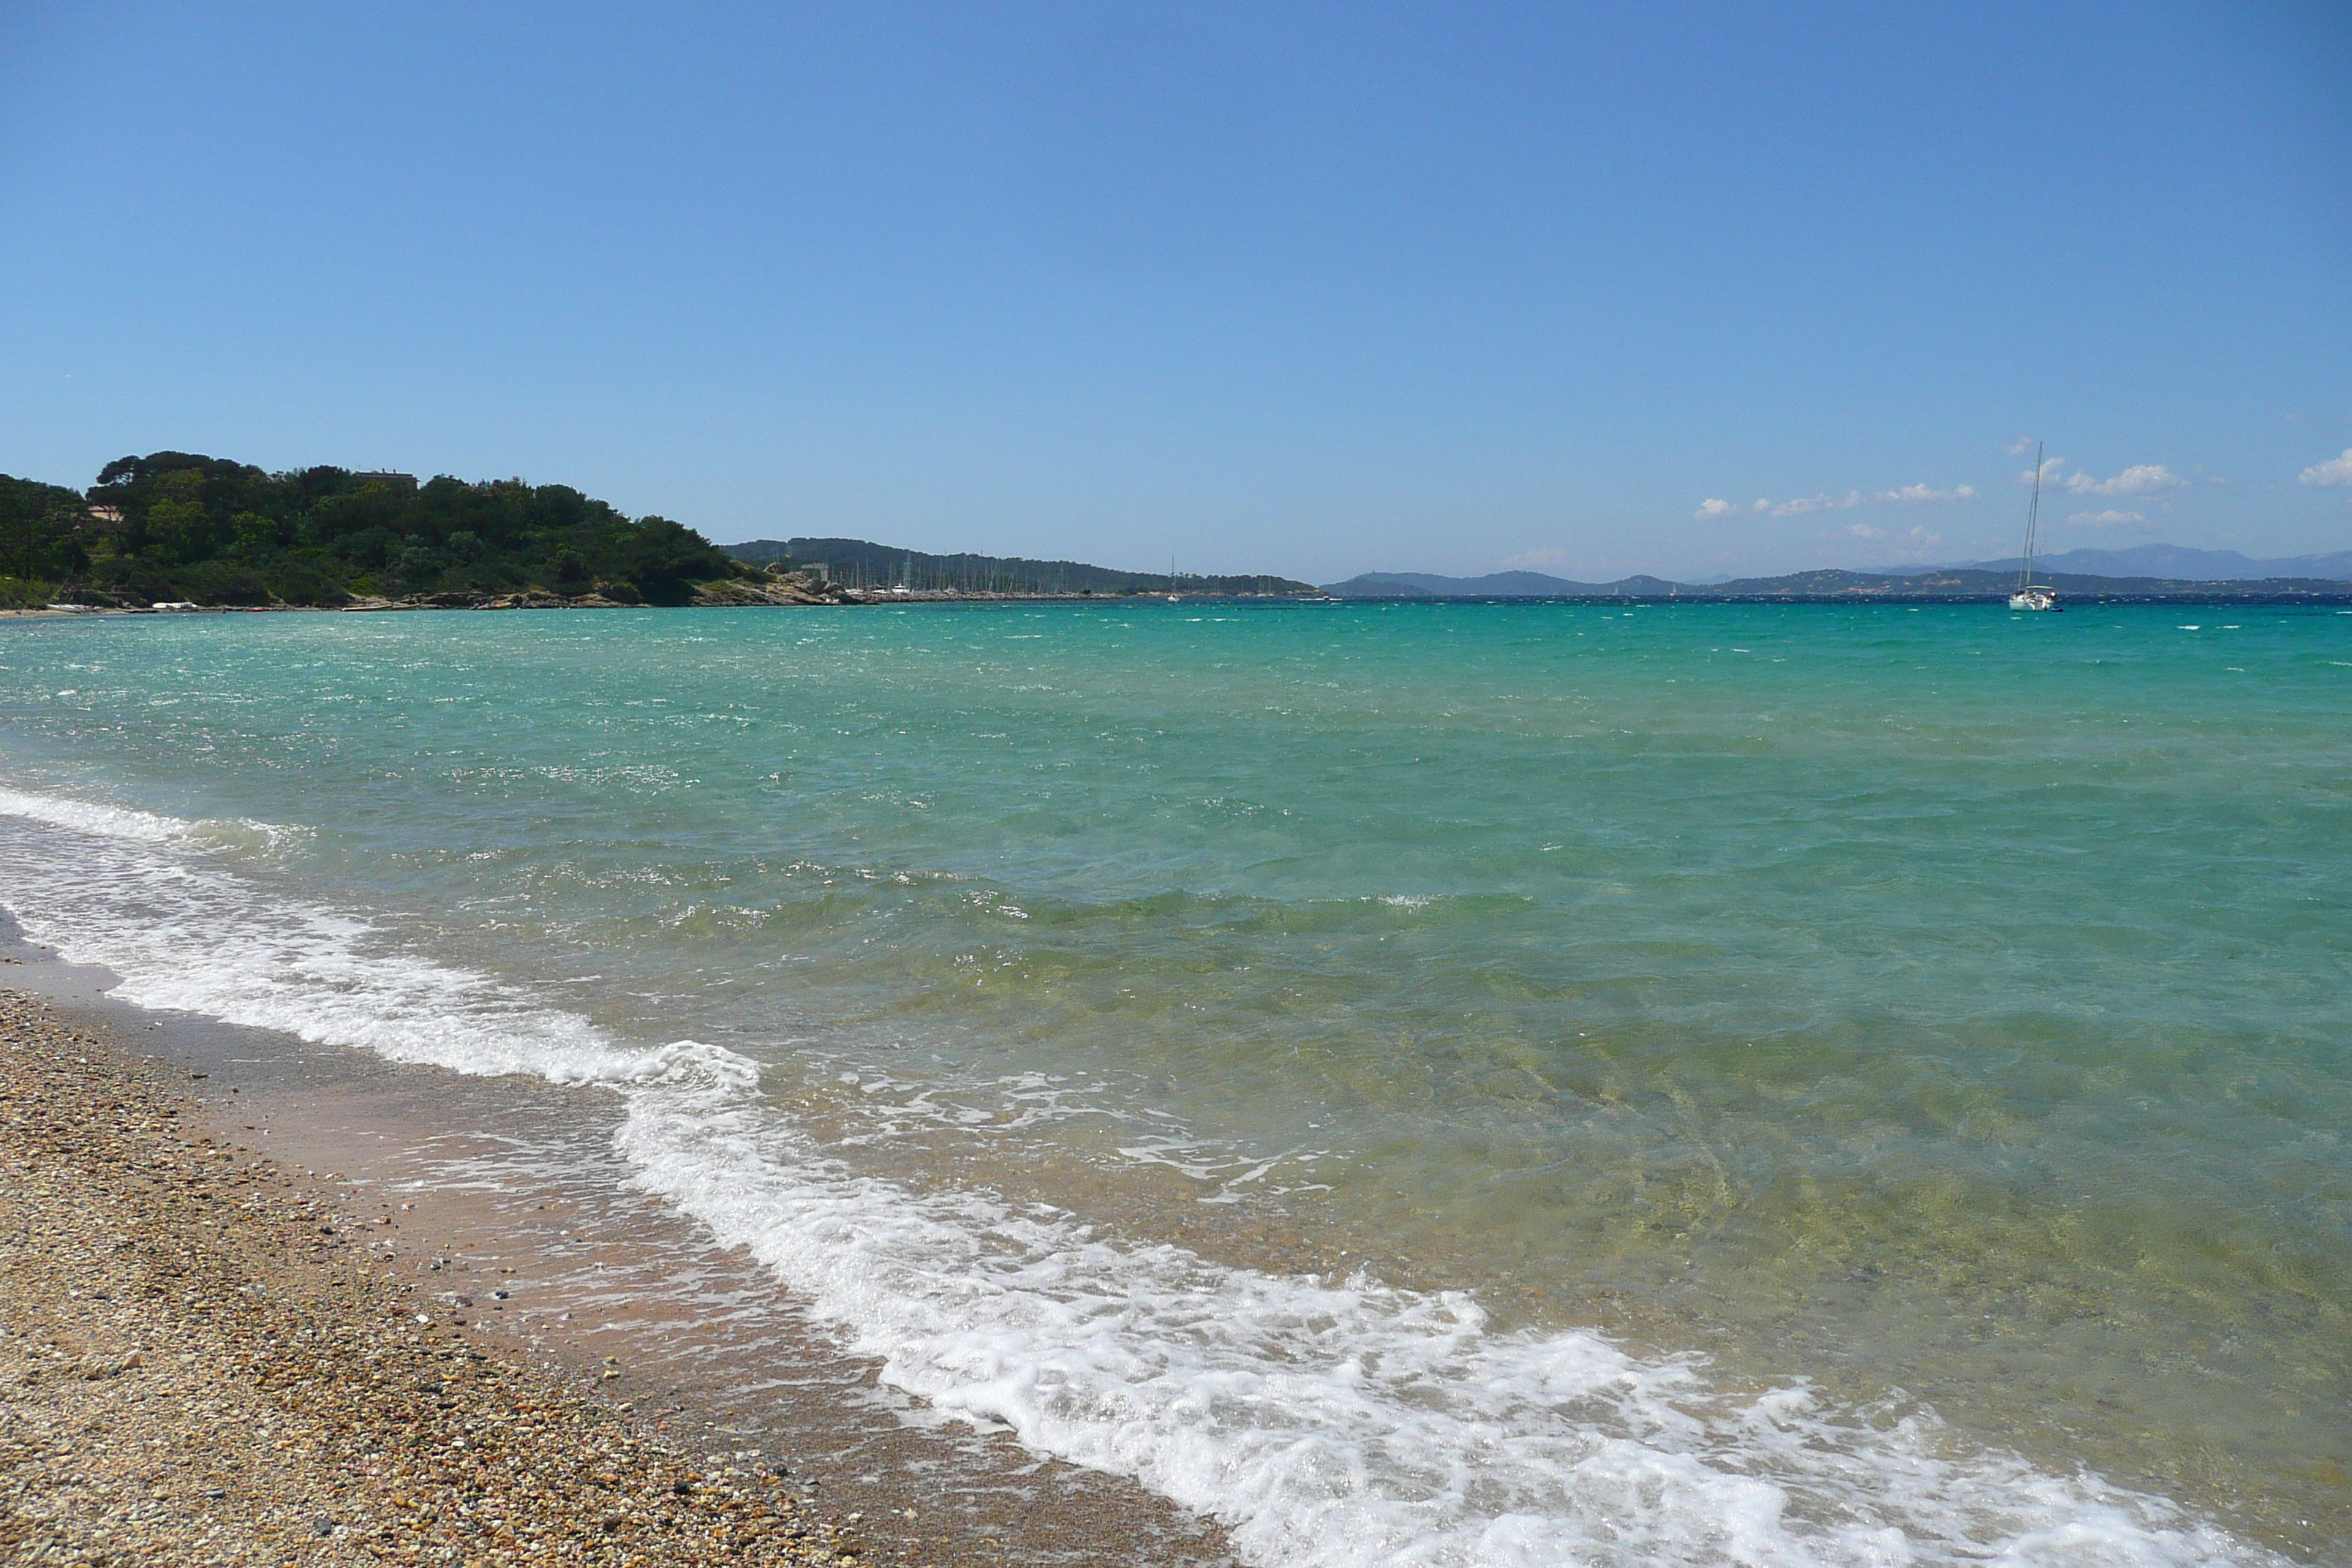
180, 526
862, 563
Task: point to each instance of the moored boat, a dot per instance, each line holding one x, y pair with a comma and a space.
2029, 595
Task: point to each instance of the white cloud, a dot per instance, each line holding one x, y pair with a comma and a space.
2139, 479
2110, 517
1909, 495
1711, 509
2023, 445
2335, 471
2050, 467
1863, 530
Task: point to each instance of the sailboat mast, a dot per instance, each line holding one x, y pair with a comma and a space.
2032, 524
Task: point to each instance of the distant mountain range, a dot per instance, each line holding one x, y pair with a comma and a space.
2182, 563
2141, 571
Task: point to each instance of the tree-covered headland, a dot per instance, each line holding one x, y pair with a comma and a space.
178, 526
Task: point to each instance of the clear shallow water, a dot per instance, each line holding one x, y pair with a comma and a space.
1252, 1046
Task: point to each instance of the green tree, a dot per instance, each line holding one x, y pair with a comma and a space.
255, 535
178, 532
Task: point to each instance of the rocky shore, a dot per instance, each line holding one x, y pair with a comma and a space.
199, 1366
769, 588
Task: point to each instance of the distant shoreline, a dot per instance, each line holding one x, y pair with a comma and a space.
870, 598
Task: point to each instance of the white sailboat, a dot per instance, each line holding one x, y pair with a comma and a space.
2029, 596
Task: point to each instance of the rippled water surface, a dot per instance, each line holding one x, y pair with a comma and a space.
1908, 1010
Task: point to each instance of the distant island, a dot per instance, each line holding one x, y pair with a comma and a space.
2143, 571
2180, 563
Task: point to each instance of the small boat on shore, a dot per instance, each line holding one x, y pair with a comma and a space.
2028, 595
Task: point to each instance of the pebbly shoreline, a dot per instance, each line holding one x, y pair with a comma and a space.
197, 1367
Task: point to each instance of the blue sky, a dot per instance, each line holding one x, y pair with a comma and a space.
1314, 289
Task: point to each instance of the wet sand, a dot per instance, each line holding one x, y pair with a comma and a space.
272, 1303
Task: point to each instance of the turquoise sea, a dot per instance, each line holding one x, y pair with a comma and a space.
1440, 1083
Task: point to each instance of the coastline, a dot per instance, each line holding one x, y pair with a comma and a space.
854, 596
242, 1388
217, 1352
2209, 598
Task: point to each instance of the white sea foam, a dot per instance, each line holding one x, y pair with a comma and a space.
1353, 1422
87, 817
1325, 1424
142, 895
